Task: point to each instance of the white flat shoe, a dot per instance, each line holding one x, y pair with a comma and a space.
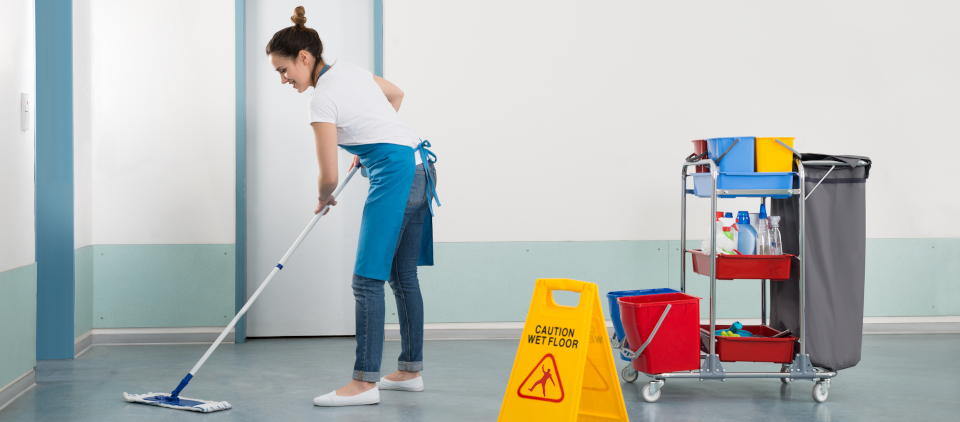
414, 384
331, 399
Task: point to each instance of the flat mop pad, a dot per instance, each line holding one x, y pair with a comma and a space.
182, 403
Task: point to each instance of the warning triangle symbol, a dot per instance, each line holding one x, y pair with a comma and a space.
543, 382
593, 379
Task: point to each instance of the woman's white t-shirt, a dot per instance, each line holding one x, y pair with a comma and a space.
347, 96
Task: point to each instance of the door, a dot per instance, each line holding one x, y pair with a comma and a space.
312, 295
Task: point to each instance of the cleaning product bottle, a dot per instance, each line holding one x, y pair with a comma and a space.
705, 244
763, 232
727, 238
747, 236
776, 242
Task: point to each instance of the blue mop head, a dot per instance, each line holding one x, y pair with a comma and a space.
182, 403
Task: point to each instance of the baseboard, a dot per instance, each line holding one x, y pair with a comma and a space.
82, 344
15, 389
912, 325
462, 331
468, 331
512, 330
144, 336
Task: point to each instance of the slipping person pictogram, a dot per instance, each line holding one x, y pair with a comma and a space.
542, 382
543, 373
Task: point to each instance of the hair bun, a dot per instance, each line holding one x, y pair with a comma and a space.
299, 16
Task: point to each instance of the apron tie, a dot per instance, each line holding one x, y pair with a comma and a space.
428, 158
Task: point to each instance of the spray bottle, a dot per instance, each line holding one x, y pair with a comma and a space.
727, 237
763, 232
776, 241
705, 243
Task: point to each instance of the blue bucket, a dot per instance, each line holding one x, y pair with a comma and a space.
740, 157
615, 307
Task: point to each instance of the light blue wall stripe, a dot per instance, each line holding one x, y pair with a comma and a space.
84, 291
54, 184
493, 281
913, 277
18, 324
154, 286
240, 288
378, 37
189, 285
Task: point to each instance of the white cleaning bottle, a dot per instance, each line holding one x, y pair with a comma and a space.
705, 244
727, 237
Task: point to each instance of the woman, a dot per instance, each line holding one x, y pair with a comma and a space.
358, 111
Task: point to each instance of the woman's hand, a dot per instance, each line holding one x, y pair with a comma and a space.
323, 202
355, 163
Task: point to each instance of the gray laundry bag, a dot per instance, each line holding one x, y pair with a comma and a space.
834, 260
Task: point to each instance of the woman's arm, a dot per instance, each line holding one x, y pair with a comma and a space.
393, 92
325, 136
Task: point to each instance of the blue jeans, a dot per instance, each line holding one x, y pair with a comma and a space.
368, 294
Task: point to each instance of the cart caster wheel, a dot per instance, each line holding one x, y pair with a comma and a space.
629, 374
786, 370
651, 391
820, 391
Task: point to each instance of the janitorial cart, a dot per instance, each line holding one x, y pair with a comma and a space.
815, 286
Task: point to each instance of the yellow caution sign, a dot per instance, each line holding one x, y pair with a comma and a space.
564, 369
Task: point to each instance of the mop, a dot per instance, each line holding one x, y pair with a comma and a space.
174, 400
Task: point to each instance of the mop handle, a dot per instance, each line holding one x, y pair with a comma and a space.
263, 284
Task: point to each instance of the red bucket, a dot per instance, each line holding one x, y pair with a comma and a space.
676, 344
700, 147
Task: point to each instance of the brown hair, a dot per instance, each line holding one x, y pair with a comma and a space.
288, 41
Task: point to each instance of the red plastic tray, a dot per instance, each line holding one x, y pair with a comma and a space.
751, 349
729, 267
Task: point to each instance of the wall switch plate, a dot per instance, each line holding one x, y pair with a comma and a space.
25, 111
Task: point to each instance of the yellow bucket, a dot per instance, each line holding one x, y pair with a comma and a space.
773, 157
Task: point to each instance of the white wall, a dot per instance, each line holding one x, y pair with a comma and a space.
82, 124
154, 121
567, 120
17, 75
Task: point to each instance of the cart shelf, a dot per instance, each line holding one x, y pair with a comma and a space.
730, 267
763, 347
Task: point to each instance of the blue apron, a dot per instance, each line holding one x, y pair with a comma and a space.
391, 169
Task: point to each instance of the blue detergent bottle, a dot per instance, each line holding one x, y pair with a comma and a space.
747, 235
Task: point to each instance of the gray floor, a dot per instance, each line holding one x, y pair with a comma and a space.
901, 377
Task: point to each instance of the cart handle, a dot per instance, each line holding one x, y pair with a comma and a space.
720, 158
819, 182
633, 354
784, 144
